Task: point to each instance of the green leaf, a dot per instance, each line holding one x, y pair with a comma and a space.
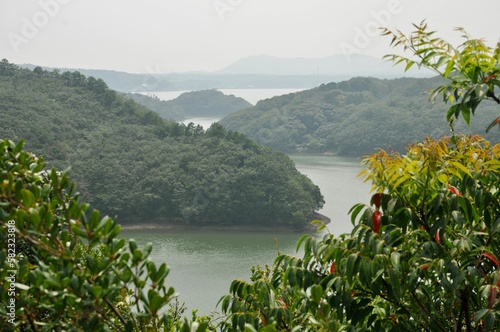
400, 180
316, 293
481, 90
354, 211
350, 266
466, 114
28, 198
461, 167
449, 68
443, 178
96, 291
395, 260
480, 314
452, 112
496, 227
395, 283
409, 64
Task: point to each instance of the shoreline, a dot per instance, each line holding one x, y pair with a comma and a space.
157, 225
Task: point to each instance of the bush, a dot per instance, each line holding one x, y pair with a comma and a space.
64, 266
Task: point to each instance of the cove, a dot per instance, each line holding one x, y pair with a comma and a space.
204, 263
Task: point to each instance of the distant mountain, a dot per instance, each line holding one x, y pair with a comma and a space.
339, 65
260, 72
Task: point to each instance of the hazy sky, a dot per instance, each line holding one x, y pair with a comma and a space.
205, 35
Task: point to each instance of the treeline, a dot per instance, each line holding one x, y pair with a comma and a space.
131, 163
203, 103
353, 117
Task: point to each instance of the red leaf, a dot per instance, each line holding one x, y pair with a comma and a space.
454, 190
492, 258
376, 200
332, 268
376, 217
437, 237
283, 303
492, 296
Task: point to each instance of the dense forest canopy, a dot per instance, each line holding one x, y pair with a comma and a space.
131, 163
203, 103
352, 117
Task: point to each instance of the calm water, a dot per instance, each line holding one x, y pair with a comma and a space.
203, 264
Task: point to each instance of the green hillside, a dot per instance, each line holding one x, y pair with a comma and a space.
354, 117
129, 162
203, 103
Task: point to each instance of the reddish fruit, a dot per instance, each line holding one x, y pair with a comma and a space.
376, 200
437, 237
332, 268
424, 266
376, 217
393, 317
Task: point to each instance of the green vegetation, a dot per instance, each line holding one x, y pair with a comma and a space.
424, 254
166, 109
209, 103
205, 103
353, 117
64, 268
129, 162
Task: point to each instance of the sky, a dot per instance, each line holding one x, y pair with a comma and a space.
163, 36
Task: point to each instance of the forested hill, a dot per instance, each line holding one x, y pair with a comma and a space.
193, 104
354, 117
131, 163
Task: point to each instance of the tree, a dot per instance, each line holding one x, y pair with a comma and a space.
472, 68
423, 255
64, 267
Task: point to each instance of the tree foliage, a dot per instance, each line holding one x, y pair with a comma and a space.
129, 162
353, 117
62, 265
204, 103
424, 254
209, 103
471, 69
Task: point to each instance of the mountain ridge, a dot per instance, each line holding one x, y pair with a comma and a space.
336, 64
251, 72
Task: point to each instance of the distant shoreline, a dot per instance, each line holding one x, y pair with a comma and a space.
157, 225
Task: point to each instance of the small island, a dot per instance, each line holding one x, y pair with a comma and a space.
203, 103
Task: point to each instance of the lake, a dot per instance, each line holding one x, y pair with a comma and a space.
204, 263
